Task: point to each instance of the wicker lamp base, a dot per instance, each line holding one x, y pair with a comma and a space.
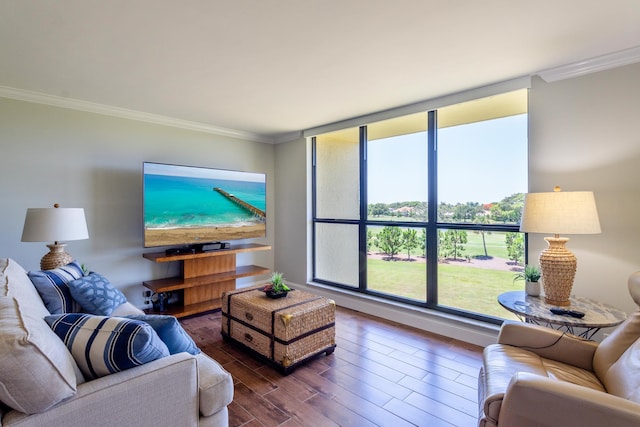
56, 257
558, 267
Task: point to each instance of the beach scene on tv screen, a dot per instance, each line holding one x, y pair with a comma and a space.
191, 205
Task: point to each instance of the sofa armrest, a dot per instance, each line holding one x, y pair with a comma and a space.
549, 343
162, 392
528, 393
216, 385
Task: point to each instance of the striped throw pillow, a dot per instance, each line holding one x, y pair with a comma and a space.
104, 345
53, 289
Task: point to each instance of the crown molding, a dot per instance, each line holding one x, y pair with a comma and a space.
108, 110
287, 137
592, 65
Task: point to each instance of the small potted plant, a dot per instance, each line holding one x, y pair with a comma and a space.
276, 288
531, 276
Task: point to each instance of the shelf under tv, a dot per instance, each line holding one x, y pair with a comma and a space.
204, 277
188, 310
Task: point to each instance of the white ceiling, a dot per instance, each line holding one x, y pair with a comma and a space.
272, 67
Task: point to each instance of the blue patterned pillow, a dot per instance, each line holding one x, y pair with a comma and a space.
53, 289
170, 332
103, 345
95, 294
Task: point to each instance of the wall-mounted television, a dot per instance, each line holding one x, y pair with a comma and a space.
194, 206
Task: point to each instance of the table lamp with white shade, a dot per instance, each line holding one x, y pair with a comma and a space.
559, 212
54, 225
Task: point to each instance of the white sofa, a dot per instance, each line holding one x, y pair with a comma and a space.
41, 384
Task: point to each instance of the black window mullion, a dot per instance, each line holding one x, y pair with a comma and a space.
432, 210
313, 207
362, 229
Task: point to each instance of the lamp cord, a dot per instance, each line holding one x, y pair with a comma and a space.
552, 344
543, 347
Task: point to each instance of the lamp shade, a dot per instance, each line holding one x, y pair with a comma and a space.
54, 224
560, 212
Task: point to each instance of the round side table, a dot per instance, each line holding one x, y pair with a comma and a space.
534, 310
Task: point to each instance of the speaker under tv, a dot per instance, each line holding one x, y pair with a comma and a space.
197, 248
201, 208
180, 251
215, 246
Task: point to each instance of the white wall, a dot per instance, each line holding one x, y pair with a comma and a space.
583, 136
78, 159
291, 210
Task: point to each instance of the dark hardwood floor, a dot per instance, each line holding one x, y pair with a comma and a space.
381, 374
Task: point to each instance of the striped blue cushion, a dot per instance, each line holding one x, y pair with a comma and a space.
103, 345
53, 289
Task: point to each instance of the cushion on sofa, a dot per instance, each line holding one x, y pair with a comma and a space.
95, 294
216, 385
170, 332
126, 309
15, 282
53, 289
103, 345
36, 369
617, 359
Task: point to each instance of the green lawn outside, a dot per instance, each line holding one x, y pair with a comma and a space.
464, 287
460, 285
402, 278
495, 241
475, 289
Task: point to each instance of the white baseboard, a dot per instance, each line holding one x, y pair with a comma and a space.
467, 330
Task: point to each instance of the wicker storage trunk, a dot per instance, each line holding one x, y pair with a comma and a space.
285, 331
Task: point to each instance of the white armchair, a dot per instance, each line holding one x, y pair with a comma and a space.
536, 376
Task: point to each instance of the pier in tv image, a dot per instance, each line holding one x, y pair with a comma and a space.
188, 205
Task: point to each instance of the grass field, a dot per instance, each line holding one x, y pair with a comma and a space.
463, 287
460, 286
495, 241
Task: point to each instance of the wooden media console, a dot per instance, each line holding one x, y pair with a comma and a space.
204, 277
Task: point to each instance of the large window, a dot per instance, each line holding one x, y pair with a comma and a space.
425, 208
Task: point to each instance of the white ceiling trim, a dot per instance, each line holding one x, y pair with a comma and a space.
576, 69
288, 137
600, 63
92, 107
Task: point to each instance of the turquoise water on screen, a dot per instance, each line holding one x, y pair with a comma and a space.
179, 202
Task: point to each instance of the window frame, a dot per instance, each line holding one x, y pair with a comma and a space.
431, 226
